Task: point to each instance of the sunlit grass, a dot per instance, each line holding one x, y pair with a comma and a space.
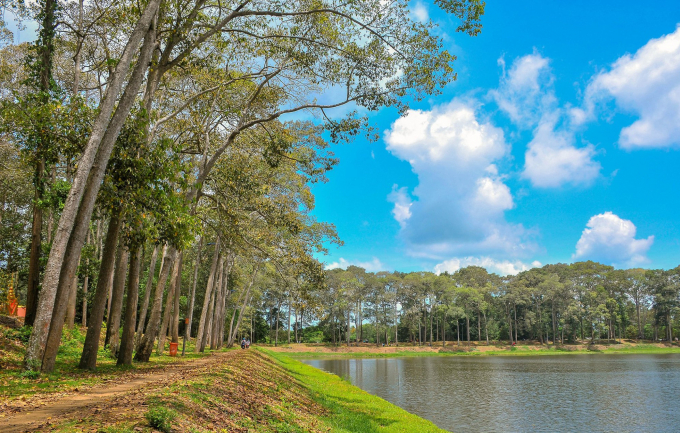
352, 409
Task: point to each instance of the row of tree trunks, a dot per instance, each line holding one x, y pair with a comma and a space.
246, 300
147, 292
146, 345
127, 341
207, 299
169, 303
88, 358
113, 323
68, 241
190, 315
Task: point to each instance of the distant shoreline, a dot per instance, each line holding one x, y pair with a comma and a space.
311, 351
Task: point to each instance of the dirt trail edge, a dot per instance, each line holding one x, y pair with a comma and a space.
35, 419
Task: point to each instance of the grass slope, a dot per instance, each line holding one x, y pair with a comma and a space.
249, 391
350, 408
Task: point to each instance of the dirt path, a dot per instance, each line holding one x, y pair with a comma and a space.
35, 419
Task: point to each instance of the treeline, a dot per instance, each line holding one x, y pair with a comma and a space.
585, 302
156, 160
555, 304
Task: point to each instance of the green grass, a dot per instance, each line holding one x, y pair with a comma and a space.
351, 409
509, 351
15, 382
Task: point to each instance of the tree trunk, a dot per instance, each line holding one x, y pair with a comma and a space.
127, 341
72, 298
147, 294
190, 312
202, 340
230, 342
146, 346
348, 326
86, 281
36, 242
113, 325
174, 326
169, 304
467, 326
45, 51
206, 299
88, 358
90, 172
278, 311
431, 316
219, 290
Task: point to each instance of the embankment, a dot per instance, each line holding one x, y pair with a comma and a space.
311, 351
247, 391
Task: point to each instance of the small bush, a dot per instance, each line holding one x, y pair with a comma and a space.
30, 374
161, 418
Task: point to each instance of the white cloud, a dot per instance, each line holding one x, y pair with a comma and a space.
646, 83
552, 160
374, 265
611, 240
459, 204
402, 204
501, 267
526, 94
419, 11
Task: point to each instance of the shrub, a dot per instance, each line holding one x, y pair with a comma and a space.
161, 418
30, 374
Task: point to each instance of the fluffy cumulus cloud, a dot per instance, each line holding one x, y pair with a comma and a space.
552, 159
524, 91
646, 83
374, 265
458, 206
501, 267
610, 239
527, 96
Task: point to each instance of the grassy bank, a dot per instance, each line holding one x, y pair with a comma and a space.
250, 391
302, 352
17, 384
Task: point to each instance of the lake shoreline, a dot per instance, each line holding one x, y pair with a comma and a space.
310, 351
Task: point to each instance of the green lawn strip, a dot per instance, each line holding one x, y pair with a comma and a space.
352, 409
510, 351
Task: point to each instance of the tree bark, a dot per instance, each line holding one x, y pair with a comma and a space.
209, 322
88, 358
174, 326
127, 340
219, 298
146, 346
190, 312
147, 294
91, 167
169, 303
206, 299
86, 281
72, 298
113, 325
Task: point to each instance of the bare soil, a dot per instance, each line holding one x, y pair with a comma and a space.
38, 412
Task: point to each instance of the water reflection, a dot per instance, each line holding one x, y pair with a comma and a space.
588, 393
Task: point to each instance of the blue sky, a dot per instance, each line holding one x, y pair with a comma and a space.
560, 141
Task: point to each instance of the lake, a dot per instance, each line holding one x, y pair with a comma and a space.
585, 393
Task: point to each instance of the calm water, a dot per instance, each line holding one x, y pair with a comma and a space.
585, 393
